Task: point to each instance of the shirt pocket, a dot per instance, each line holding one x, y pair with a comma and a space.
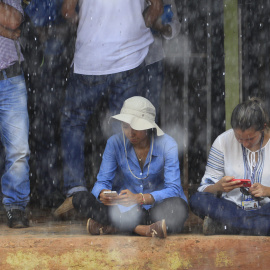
156, 166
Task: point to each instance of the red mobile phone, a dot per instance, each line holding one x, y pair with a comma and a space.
245, 182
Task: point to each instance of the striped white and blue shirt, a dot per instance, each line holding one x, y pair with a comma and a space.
226, 158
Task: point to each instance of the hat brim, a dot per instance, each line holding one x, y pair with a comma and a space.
138, 123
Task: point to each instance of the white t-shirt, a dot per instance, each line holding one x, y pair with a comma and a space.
111, 36
226, 158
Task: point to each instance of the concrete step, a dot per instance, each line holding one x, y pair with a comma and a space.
50, 244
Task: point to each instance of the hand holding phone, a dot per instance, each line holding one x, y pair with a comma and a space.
108, 197
244, 182
110, 193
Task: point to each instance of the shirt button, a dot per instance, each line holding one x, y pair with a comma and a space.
140, 185
140, 173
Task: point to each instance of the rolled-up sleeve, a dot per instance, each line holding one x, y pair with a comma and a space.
215, 166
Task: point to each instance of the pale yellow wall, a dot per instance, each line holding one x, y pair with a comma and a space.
231, 44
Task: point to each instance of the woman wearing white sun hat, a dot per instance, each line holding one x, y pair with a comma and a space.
141, 164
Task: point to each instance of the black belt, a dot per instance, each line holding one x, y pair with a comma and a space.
12, 71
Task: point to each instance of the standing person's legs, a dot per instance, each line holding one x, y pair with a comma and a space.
232, 217
82, 94
124, 85
2, 167
14, 128
154, 85
45, 132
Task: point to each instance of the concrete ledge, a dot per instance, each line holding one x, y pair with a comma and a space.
66, 245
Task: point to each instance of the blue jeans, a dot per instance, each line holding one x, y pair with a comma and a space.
227, 213
14, 127
154, 85
82, 95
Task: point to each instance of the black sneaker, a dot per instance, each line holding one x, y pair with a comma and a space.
211, 227
16, 218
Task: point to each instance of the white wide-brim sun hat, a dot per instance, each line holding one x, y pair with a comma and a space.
139, 113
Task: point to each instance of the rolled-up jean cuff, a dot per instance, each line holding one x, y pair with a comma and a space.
12, 207
75, 189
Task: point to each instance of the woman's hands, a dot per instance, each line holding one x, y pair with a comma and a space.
107, 200
258, 190
225, 184
126, 198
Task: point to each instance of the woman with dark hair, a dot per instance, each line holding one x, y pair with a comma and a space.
243, 152
141, 166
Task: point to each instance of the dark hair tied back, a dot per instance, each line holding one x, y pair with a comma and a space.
250, 114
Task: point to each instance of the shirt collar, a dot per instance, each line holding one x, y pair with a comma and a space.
131, 152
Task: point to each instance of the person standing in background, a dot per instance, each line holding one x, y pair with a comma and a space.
48, 41
14, 121
113, 39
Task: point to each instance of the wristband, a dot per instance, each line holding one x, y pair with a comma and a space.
143, 199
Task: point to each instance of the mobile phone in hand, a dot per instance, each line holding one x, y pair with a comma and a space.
109, 193
245, 182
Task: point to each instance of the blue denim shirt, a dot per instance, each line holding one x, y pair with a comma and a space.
163, 180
